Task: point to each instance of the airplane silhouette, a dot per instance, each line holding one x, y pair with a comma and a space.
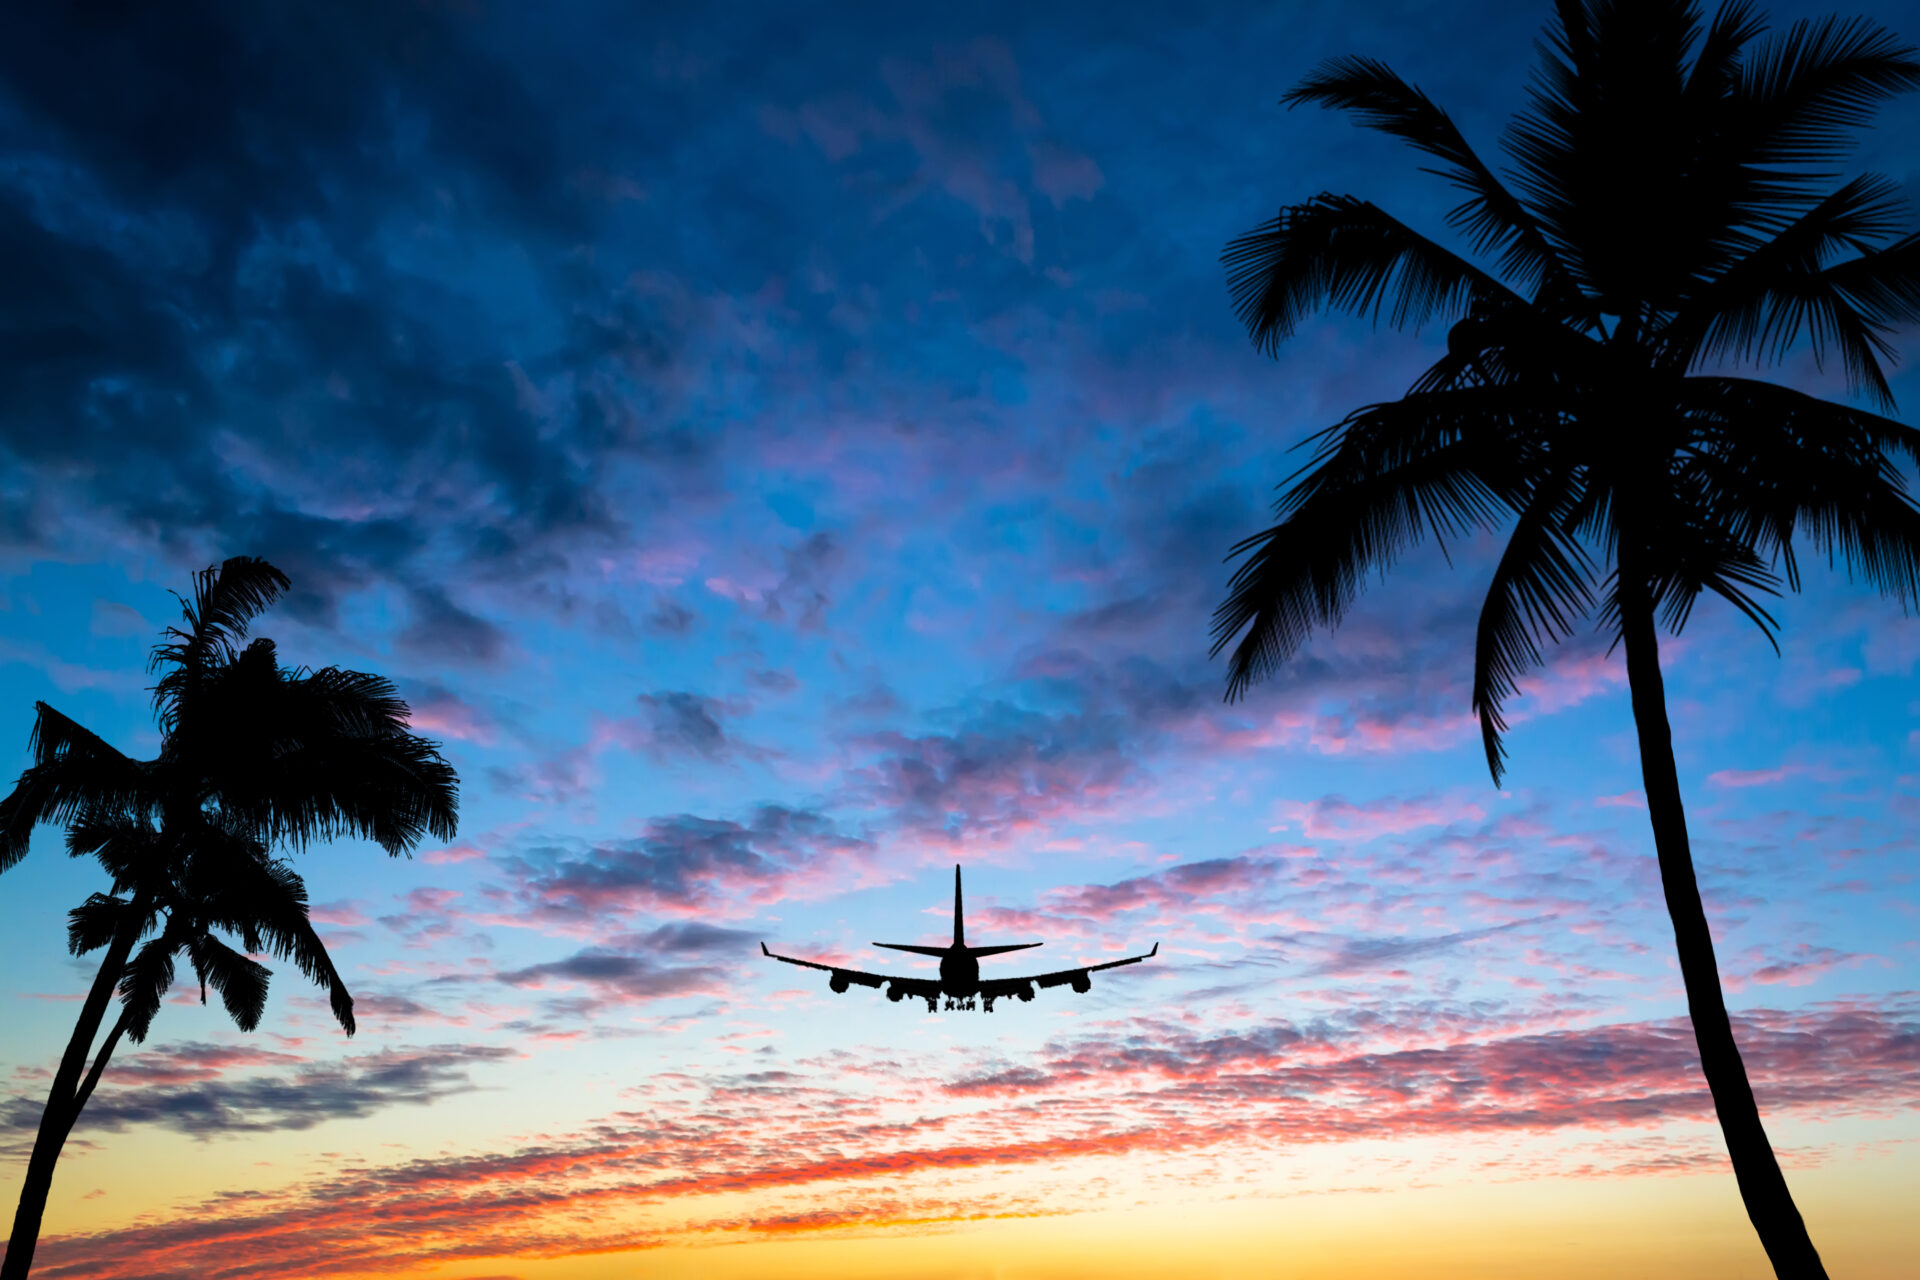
960, 979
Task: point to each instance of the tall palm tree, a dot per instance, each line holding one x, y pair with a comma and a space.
252, 755
1667, 220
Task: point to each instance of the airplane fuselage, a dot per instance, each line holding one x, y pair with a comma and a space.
959, 974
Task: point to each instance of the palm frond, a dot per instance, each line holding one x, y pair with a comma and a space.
1391, 475
128, 849
1780, 463
145, 982
98, 921
265, 902
72, 769
226, 598
1541, 588
1784, 290
1716, 67
241, 982
1346, 253
393, 791
355, 703
295, 939
1802, 93
1721, 565
1883, 284
1491, 217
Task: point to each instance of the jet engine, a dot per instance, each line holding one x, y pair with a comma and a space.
838, 982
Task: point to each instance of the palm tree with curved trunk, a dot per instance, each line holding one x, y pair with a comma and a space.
253, 755
1667, 221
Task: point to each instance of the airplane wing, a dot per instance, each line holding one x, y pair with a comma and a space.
897, 988
1078, 979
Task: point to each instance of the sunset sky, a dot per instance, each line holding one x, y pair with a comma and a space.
782, 452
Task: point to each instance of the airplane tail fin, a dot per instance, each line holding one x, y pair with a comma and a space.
959, 925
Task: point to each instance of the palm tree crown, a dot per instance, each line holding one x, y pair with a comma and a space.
1660, 222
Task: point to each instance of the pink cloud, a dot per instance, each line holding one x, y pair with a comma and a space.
440, 712
192, 1063
1360, 733
1336, 818
966, 166
1179, 888
452, 854
345, 914
1803, 965
1755, 777
1064, 175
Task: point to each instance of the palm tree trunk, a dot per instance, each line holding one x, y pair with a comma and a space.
1762, 1186
64, 1101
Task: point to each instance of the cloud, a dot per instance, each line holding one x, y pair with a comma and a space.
190, 1090
64, 675
1337, 818
1185, 887
681, 863
1738, 779
1349, 956
680, 723
437, 710
1803, 963
670, 618
442, 631
112, 618
191, 1063
799, 594
613, 973
776, 681
1007, 771
966, 121
693, 937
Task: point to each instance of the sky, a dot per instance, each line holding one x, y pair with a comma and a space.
782, 452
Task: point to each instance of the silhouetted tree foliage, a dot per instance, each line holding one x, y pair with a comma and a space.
253, 755
1669, 216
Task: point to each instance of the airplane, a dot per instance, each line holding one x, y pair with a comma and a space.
960, 979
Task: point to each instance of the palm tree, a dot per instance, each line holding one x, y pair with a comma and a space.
252, 755
1665, 222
